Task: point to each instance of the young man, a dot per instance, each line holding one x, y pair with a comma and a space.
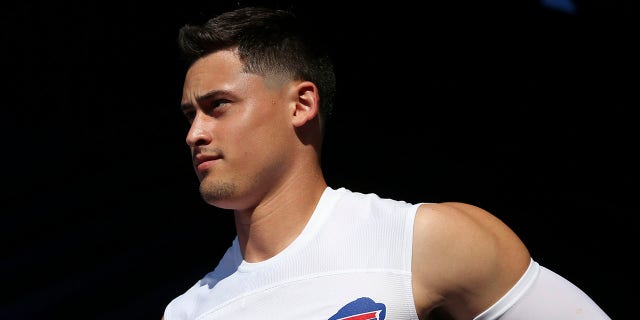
257, 93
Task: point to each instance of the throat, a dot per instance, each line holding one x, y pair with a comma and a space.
266, 237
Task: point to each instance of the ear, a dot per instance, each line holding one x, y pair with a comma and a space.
307, 104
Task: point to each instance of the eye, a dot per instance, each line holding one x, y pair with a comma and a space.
216, 107
218, 103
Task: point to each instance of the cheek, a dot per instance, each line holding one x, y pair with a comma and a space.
258, 143
243, 139
261, 129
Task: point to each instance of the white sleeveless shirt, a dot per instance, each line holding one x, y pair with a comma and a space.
351, 261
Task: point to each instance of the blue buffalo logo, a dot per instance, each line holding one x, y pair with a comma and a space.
361, 309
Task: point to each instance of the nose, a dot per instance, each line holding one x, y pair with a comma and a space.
198, 132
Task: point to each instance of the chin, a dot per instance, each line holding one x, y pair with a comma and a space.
215, 193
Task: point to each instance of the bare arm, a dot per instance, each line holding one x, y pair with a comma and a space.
464, 260
467, 264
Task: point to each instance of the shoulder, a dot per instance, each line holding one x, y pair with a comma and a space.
464, 257
454, 219
467, 224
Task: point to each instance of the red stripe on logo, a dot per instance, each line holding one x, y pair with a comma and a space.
363, 316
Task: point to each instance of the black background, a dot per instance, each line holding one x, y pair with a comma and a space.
519, 108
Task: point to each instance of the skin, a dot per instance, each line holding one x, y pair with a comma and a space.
256, 142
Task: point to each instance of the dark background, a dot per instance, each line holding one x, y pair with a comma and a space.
521, 107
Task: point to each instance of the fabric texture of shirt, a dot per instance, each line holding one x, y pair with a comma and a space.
351, 261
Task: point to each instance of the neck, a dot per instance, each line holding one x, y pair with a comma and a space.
277, 220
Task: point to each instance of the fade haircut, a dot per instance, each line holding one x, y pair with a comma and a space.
270, 42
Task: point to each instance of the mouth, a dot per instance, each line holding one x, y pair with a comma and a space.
203, 162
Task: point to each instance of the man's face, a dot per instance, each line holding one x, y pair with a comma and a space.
240, 129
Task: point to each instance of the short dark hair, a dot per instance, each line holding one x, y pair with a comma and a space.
269, 42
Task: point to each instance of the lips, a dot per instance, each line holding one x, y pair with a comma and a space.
204, 161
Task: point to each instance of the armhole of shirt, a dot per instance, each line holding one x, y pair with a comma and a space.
513, 295
408, 234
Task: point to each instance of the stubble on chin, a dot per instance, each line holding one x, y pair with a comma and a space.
211, 193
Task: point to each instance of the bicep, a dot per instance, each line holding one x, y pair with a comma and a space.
464, 259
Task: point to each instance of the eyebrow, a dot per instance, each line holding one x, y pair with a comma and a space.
199, 99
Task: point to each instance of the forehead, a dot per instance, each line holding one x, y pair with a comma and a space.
215, 66
220, 71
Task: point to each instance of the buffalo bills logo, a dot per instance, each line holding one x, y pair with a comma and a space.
361, 309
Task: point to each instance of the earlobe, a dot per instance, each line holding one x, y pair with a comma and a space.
307, 103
